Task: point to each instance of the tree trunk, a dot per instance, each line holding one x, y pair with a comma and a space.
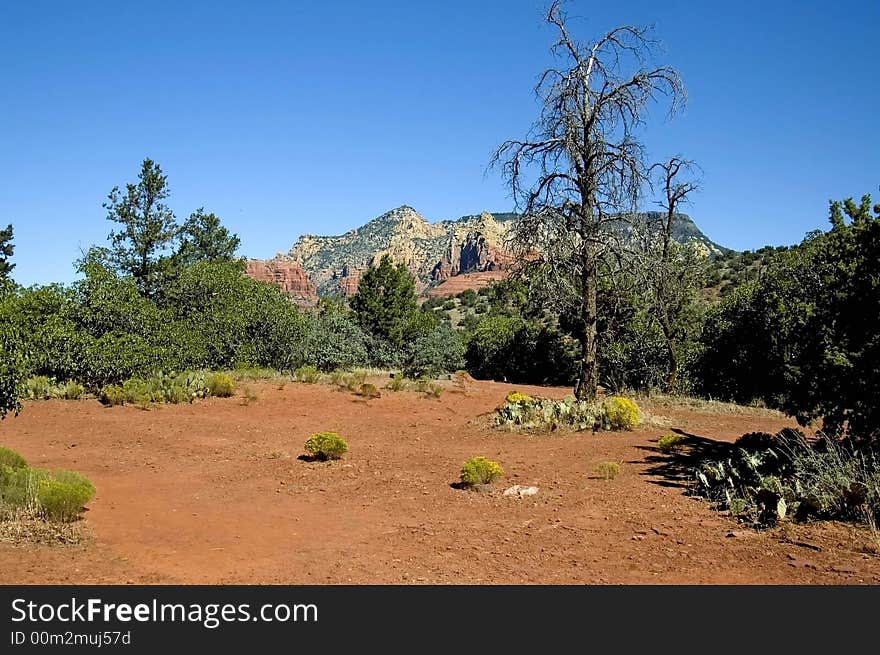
672, 367
586, 387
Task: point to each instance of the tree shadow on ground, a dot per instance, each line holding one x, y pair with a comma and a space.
676, 469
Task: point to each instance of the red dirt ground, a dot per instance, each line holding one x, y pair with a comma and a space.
214, 493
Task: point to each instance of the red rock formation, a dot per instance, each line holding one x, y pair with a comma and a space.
288, 275
475, 254
347, 281
455, 285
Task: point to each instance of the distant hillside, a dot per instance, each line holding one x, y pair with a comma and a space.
435, 252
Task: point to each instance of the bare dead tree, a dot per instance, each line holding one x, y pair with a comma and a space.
582, 167
673, 270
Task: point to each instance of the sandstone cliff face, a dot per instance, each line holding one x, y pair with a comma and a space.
288, 275
432, 251
435, 253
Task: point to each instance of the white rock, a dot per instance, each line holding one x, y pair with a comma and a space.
520, 491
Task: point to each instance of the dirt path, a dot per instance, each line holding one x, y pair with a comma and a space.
213, 493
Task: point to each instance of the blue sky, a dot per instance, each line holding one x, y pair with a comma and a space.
287, 118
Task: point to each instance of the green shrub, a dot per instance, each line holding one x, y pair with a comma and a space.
354, 381
608, 470
308, 374
18, 486
112, 395
326, 445
72, 390
11, 459
369, 391
479, 470
669, 443
136, 392
396, 383
436, 351
220, 385
621, 413
449, 305
337, 376
39, 387
62, 496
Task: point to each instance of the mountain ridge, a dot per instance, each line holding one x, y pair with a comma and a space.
434, 252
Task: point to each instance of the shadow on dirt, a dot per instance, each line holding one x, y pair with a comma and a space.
676, 469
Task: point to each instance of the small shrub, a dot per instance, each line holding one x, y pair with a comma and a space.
112, 395
621, 413
326, 445
479, 470
354, 381
72, 390
669, 443
62, 496
434, 390
220, 385
136, 392
337, 377
248, 395
11, 459
39, 387
369, 391
308, 374
518, 397
608, 470
396, 383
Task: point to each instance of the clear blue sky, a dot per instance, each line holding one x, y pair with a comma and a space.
291, 117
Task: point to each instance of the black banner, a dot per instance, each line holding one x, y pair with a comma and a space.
135, 619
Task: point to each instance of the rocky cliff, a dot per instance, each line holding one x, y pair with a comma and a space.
436, 253
288, 275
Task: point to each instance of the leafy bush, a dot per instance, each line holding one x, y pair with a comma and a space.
62, 496
39, 387
621, 413
441, 350
308, 374
608, 470
72, 390
112, 395
519, 351
669, 443
479, 471
219, 385
326, 445
369, 391
56, 496
11, 459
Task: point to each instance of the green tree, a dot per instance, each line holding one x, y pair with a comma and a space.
204, 238
805, 336
12, 353
148, 228
6, 250
385, 302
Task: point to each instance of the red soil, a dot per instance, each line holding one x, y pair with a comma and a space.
213, 493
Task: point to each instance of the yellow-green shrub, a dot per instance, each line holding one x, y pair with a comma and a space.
62, 496
326, 445
220, 385
112, 395
608, 470
307, 374
669, 443
621, 413
479, 470
11, 459
396, 383
369, 391
518, 397
72, 390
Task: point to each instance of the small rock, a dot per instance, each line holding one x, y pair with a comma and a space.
845, 569
520, 491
